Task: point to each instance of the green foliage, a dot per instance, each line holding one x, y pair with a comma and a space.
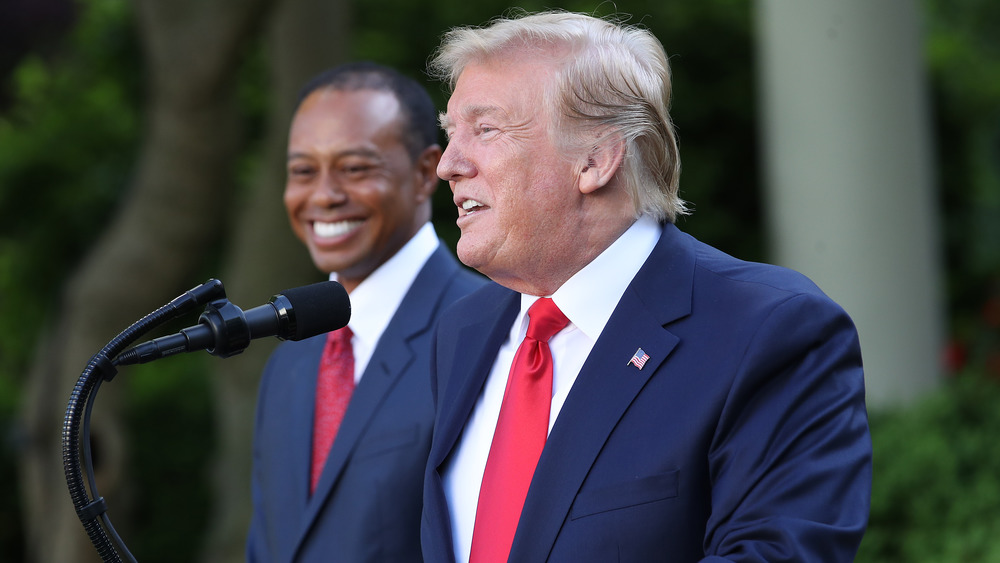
936, 495
963, 49
66, 146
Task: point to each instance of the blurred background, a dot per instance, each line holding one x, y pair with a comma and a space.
142, 152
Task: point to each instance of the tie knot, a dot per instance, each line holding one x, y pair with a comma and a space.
344, 333
340, 337
545, 320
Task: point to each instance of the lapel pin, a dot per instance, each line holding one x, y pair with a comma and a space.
638, 359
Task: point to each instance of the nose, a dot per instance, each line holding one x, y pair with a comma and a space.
328, 192
454, 165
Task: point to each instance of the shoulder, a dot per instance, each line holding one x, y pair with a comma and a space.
718, 272
770, 317
690, 283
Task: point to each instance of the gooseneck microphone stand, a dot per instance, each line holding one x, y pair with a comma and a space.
223, 330
92, 511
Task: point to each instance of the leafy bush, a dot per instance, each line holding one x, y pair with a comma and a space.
936, 484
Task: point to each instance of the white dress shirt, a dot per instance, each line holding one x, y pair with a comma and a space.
587, 299
375, 300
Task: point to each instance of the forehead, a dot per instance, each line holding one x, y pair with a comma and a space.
501, 89
354, 112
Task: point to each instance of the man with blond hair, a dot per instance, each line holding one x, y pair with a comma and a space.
623, 392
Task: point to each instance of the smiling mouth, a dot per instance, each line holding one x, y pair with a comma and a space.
335, 229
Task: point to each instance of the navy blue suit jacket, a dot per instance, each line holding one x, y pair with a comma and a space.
743, 438
367, 504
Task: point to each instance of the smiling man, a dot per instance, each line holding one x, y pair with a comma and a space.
344, 420
624, 392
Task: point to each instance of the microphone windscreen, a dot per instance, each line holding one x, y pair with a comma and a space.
318, 308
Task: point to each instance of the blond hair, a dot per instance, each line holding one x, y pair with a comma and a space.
610, 77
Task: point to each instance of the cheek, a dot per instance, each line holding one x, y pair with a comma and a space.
379, 199
294, 199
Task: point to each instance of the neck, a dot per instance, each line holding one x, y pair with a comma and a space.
545, 276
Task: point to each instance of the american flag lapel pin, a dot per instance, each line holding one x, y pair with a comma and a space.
638, 359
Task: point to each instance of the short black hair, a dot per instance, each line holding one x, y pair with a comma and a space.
420, 125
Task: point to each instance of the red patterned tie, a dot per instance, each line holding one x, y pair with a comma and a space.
334, 386
519, 437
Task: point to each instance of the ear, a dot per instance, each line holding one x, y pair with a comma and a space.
601, 164
425, 169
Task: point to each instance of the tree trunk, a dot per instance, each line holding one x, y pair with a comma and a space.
148, 254
305, 37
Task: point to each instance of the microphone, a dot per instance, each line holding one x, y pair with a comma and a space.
225, 330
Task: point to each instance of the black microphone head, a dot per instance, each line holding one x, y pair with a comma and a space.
316, 308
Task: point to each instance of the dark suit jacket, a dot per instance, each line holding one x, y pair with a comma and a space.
743, 438
367, 503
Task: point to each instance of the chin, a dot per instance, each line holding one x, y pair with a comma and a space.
327, 265
469, 256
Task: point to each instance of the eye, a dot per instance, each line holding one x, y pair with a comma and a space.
301, 172
357, 170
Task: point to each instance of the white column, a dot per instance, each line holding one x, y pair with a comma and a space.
850, 175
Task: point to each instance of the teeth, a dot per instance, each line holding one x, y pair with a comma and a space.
334, 229
470, 203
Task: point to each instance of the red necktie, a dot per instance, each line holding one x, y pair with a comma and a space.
519, 437
334, 386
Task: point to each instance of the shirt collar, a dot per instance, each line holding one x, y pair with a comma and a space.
375, 300
589, 297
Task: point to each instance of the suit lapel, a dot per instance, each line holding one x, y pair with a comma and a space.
302, 421
604, 389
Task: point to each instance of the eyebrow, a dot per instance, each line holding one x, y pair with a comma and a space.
470, 113
444, 121
363, 152
481, 110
